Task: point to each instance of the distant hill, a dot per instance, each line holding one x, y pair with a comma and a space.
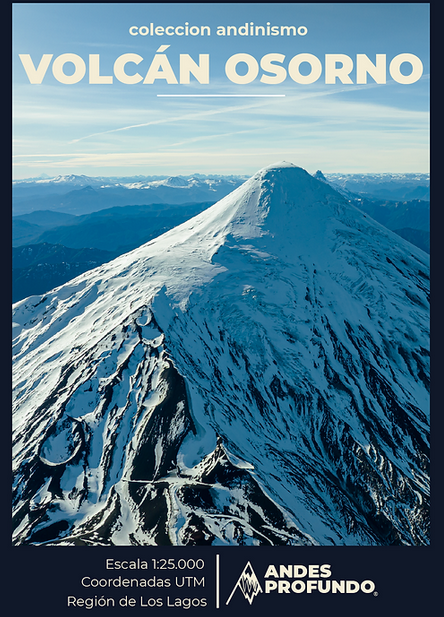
117, 229
413, 214
28, 227
46, 218
24, 232
41, 267
418, 237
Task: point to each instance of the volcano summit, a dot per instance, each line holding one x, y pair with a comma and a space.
256, 375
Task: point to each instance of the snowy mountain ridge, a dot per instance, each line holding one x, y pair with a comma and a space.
256, 375
85, 194
81, 180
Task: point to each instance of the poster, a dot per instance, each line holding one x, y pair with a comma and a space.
230, 416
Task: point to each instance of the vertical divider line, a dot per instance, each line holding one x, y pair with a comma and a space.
217, 581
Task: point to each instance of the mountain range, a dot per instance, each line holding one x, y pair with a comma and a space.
73, 194
399, 186
119, 229
257, 375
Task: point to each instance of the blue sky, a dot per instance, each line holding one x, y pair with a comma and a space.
129, 129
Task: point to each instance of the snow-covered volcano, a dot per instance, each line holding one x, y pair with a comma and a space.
257, 375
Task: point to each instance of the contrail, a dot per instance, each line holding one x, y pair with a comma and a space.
198, 114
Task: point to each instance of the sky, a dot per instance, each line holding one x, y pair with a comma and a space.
219, 127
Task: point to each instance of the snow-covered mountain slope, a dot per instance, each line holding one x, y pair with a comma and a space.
257, 375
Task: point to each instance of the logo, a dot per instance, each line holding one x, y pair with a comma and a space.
297, 579
248, 584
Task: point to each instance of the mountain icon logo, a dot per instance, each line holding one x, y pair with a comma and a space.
248, 583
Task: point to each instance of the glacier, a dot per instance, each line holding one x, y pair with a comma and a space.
258, 375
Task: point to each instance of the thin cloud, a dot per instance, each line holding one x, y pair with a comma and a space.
200, 113
169, 120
